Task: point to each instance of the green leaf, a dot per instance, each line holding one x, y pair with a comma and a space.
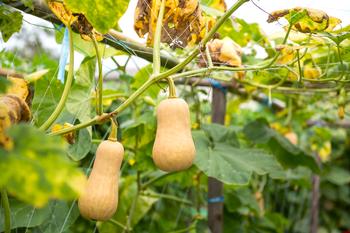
28, 3
217, 157
81, 146
62, 216
79, 98
10, 22
286, 153
24, 215
241, 199
103, 15
37, 169
48, 91
220, 133
338, 176
243, 32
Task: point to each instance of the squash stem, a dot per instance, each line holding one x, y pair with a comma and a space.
172, 88
7, 211
113, 135
99, 91
67, 86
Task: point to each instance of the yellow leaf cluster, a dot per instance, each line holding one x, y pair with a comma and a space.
314, 21
183, 23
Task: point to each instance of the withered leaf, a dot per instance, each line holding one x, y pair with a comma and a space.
69, 137
226, 52
183, 24
306, 20
13, 110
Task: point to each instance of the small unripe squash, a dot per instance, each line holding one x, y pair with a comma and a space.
173, 149
100, 199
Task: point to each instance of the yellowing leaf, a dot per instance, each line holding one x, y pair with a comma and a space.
312, 72
13, 109
225, 51
306, 20
36, 169
325, 151
19, 87
219, 5
287, 54
183, 23
70, 137
62, 12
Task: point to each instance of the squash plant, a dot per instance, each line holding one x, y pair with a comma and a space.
282, 146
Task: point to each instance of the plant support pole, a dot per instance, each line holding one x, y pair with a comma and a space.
215, 187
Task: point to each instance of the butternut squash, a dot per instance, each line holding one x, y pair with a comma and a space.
173, 149
100, 199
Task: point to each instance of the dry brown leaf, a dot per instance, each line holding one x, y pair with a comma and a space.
313, 21
13, 110
19, 87
225, 51
62, 13
78, 21
183, 23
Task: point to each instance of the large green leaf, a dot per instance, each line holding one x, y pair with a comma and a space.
79, 98
24, 215
338, 176
103, 15
10, 22
287, 154
81, 146
62, 216
37, 169
48, 91
219, 156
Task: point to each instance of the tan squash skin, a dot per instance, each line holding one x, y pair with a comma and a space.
173, 149
100, 199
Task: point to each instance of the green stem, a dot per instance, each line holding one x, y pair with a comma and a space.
341, 62
76, 127
172, 88
115, 222
112, 96
187, 229
166, 196
157, 38
155, 179
114, 131
99, 91
299, 68
47, 124
7, 211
